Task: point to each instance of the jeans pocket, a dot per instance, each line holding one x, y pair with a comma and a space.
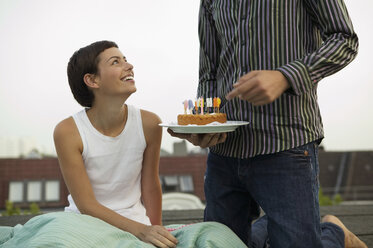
297, 153
299, 158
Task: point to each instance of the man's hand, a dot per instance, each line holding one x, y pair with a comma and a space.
158, 236
203, 140
259, 87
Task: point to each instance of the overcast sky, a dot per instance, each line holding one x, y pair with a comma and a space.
160, 39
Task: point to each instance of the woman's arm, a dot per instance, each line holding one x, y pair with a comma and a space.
150, 186
69, 149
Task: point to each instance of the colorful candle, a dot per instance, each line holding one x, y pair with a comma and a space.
190, 106
202, 104
208, 103
185, 106
215, 103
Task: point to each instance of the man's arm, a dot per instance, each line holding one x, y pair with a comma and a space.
339, 47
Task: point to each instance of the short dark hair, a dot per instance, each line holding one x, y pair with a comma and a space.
84, 61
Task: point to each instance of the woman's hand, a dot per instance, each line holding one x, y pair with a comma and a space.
158, 236
203, 140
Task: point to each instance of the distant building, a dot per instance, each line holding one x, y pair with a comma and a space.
9, 147
33, 154
24, 181
165, 153
180, 149
19, 147
39, 180
349, 174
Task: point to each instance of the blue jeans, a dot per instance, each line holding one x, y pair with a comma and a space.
332, 236
284, 184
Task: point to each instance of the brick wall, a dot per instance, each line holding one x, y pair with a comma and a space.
48, 169
357, 176
348, 174
191, 165
29, 170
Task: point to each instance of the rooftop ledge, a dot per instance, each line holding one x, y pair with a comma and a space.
358, 218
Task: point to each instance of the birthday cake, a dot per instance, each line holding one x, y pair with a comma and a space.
201, 119
202, 114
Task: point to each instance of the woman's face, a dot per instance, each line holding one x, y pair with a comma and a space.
115, 75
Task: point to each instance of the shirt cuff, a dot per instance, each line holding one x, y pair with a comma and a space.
298, 77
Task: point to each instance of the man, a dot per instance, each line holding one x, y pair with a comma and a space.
265, 59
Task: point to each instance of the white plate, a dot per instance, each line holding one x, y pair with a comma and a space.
215, 127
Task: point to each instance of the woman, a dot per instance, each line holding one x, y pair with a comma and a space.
109, 151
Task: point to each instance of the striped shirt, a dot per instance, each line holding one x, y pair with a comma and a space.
306, 40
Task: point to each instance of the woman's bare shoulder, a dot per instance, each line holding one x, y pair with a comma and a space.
150, 122
65, 127
67, 132
150, 119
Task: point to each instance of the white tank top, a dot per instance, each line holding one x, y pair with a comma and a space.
114, 164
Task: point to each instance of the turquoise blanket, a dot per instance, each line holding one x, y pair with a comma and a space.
62, 229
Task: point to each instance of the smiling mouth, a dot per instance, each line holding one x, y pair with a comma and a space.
128, 78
